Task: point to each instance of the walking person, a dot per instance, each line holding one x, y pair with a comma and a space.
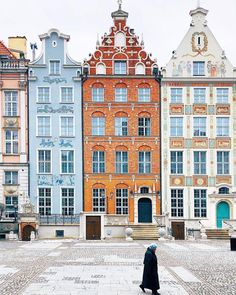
150, 271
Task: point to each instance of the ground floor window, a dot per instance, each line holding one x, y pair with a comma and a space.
200, 206
99, 200
177, 203
11, 203
67, 195
45, 202
122, 201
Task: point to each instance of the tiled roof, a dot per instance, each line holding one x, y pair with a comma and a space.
5, 51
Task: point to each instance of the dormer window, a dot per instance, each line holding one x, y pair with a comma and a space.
54, 67
120, 68
198, 68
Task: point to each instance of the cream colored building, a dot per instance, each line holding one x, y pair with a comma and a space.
198, 124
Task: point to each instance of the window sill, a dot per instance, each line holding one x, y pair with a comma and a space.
11, 184
4, 154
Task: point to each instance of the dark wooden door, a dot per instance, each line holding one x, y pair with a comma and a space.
93, 228
145, 210
178, 230
26, 232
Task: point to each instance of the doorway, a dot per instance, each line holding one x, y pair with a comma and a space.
93, 227
145, 210
26, 232
178, 230
222, 212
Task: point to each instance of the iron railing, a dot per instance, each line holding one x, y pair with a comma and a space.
59, 219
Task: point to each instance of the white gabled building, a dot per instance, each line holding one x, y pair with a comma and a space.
198, 132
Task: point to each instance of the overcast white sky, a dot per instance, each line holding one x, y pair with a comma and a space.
163, 23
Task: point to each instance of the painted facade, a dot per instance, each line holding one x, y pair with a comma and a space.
198, 139
56, 183
13, 131
121, 128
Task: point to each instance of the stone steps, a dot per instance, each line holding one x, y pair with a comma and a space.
145, 232
219, 234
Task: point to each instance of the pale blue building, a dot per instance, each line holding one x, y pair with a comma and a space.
55, 129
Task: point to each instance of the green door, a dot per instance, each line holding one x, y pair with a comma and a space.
145, 210
222, 213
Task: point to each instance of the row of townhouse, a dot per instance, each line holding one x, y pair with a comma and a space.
116, 142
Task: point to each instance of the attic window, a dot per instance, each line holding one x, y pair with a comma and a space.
120, 40
54, 43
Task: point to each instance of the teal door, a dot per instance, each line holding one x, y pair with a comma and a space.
145, 210
222, 213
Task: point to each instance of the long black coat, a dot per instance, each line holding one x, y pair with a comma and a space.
150, 272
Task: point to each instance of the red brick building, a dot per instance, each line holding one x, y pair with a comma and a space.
121, 128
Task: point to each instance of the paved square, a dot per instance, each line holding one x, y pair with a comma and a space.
71, 267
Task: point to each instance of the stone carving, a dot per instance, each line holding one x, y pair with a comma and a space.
48, 109
216, 69
199, 48
51, 180
54, 80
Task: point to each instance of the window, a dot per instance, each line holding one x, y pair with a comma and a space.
121, 162
176, 95
139, 69
121, 94
100, 69
122, 201
224, 191
11, 141
223, 163
199, 162
97, 94
44, 161
177, 203
54, 67
11, 103
222, 126
11, 177
98, 126
67, 126
144, 94
120, 39
43, 95
67, 161
144, 190
176, 162
199, 126
198, 68
199, 95
121, 126
176, 126
144, 165
67, 95
98, 162
222, 95
200, 204
120, 68
99, 200
11, 202
45, 201
67, 201
44, 126
144, 126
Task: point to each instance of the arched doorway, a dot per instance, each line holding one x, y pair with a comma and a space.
222, 212
145, 210
26, 232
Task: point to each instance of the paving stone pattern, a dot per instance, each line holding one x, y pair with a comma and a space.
72, 267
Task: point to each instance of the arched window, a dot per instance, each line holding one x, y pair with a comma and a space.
98, 123
144, 190
100, 69
120, 40
97, 92
140, 69
224, 191
98, 159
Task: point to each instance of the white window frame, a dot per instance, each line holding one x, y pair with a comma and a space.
199, 198
99, 201
222, 102
98, 162
122, 207
222, 127
103, 94
144, 97
11, 102
61, 197
177, 207
49, 101
44, 149
51, 189
49, 70
199, 95
120, 61
119, 127
200, 163
177, 127
199, 126
11, 141
11, 177
198, 74
223, 163
73, 95
98, 127
119, 96
60, 124
37, 126
176, 98
145, 162
67, 173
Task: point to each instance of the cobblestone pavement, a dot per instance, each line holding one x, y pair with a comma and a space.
70, 267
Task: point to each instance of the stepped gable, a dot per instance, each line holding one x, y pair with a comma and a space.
120, 44
5, 51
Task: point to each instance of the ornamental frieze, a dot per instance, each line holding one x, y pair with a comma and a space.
176, 109
55, 180
223, 143
200, 143
50, 143
223, 179
11, 122
223, 109
54, 80
199, 109
10, 190
200, 181
50, 110
177, 143
177, 180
